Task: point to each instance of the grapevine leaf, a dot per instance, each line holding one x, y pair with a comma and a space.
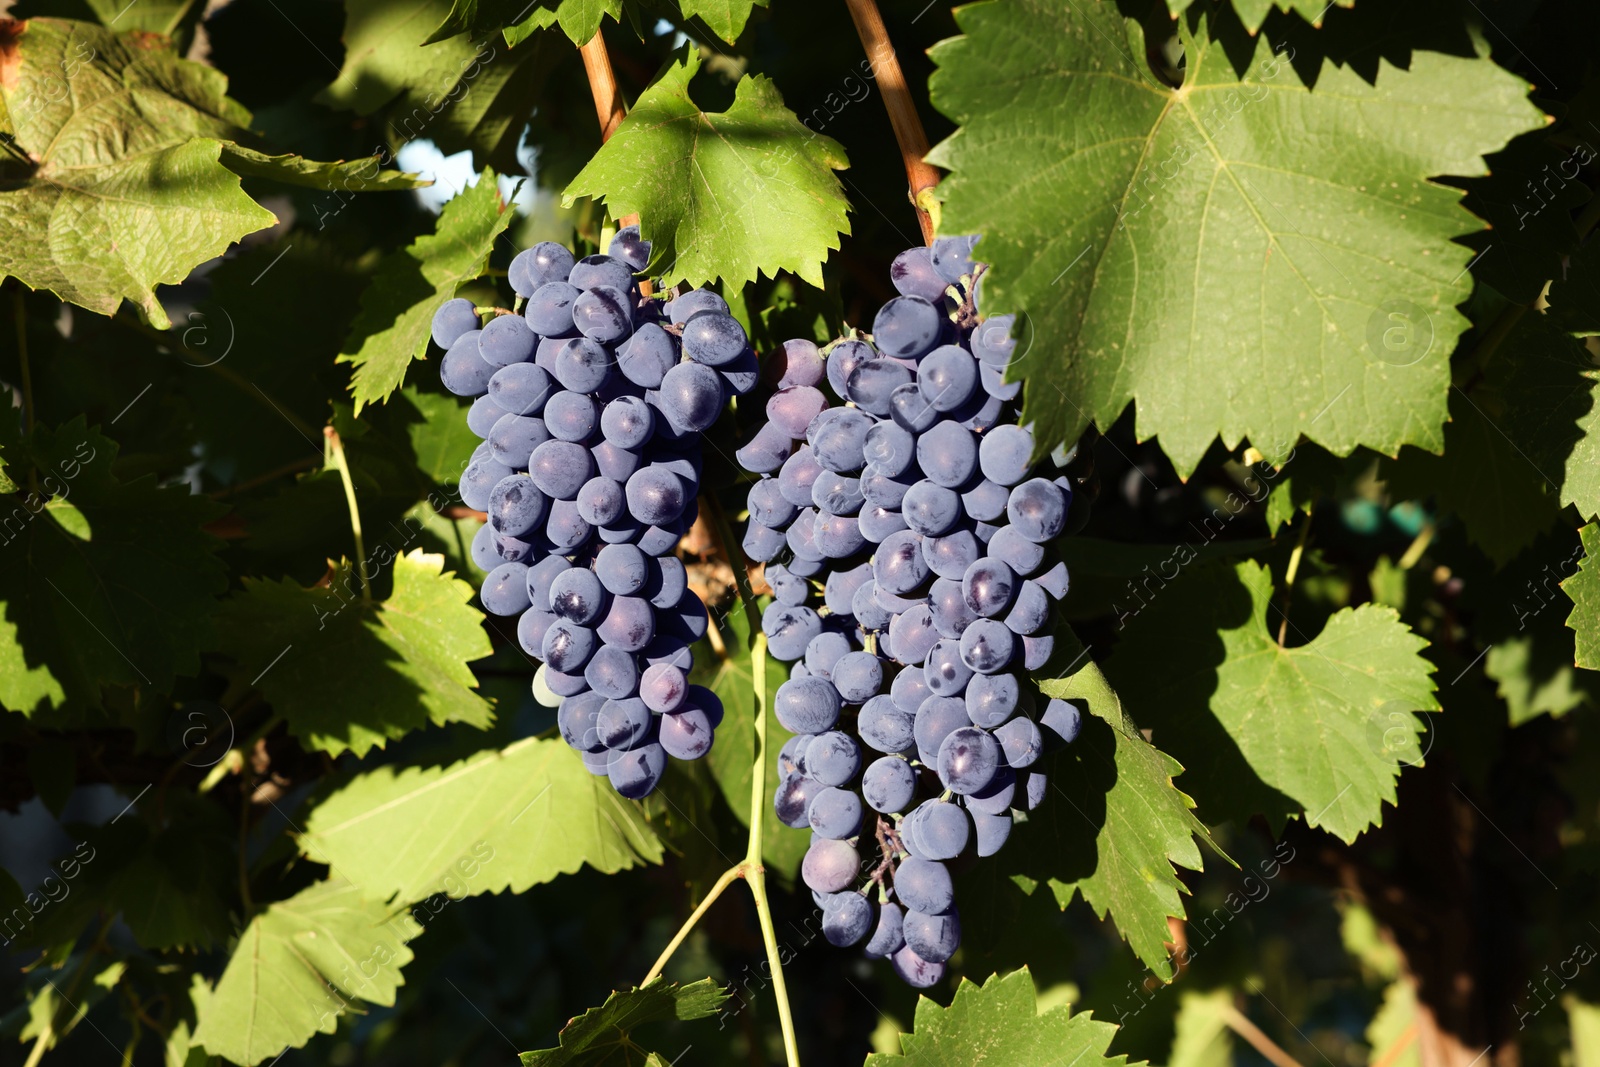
1322, 729
1396, 1017
516, 818
730, 677
730, 195
297, 967
1584, 590
1201, 1037
1254, 12
123, 595
1534, 675
726, 17
1527, 198
283, 358
383, 56
1113, 824
348, 674
397, 309
440, 437
999, 1022
1520, 445
1575, 294
354, 176
124, 189
1078, 168
601, 1035
580, 19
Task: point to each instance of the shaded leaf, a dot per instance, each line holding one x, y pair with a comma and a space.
1520, 445
348, 674
131, 604
730, 195
1113, 825
1535, 675
356, 175
1321, 729
397, 309
602, 1035
725, 17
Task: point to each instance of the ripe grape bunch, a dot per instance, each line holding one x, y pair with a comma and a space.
916, 507
590, 403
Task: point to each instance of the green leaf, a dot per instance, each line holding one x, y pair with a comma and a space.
726, 18
348, 674
729, 195
519, 19
1575, 295
384, 55
499, 820
124, 191
355, 176
1397, 1014
132, 606
1584, 590
1254, 12
1523, 443
1321, 729
1200, 1033
297, 968
441, 438
601, 1035
175, 888
1535, 675
1113, 825
1528, 199
998, 1022
1173, 246
1584, 1021
397, 309
733, 755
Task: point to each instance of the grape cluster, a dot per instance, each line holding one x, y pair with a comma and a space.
917, 508
590, 403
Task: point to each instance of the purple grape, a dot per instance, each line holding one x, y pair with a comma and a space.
453, 319
907, 327
507, 339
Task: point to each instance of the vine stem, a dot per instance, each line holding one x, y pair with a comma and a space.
1289, 576
336, 454
900, 104
755, 876
608, 106
1240, 1024
729, 876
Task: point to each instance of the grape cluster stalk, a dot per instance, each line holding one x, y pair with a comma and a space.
591, 403
906, 533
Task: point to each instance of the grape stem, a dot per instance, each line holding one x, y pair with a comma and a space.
335, 455
749, 868
898, 101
